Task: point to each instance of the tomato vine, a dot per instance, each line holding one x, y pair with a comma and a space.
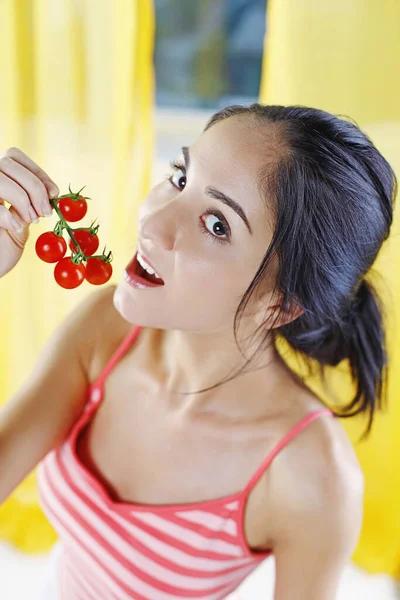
70, 272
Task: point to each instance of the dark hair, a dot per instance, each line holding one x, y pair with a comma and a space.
332, 195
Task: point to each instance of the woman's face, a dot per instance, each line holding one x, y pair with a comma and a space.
206, 251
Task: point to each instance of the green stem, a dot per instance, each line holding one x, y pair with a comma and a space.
70, 231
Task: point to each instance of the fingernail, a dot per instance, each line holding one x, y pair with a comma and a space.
17, 226
53, 189
33, 215
47, 210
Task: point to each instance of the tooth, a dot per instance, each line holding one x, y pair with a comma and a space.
146, 267
143, 264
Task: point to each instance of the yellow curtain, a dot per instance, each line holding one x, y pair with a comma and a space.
344, 57
77, 88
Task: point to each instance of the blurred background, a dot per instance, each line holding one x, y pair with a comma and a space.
103, 93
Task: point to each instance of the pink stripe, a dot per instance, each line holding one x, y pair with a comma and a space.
173, 536
120, 593
166, 527
85, 554
187, 562
198, 543
74, 571
191, 586
245, 573
179, 560
79, 588
212, 522
105, 575
206, 526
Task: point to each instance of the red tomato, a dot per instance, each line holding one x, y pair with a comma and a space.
72, 210
50, 247
69, 275
97, 271
87, 242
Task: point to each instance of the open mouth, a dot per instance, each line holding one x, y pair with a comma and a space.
135, 269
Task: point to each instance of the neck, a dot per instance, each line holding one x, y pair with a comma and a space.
192, 361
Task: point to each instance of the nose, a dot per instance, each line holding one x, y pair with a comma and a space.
158, 226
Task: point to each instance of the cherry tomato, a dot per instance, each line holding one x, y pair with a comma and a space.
69, 275
97, 271
87, 242
50, 247
73, 210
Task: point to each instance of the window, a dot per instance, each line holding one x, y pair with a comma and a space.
208, 54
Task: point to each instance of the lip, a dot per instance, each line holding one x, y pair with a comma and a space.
135, 280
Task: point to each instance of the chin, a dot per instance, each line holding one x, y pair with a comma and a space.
134, 311
123, 304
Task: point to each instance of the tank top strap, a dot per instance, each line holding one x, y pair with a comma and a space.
96, 388
296, 430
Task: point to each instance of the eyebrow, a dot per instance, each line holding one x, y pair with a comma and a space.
218, 195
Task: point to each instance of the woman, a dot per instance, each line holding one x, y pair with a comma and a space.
182, 451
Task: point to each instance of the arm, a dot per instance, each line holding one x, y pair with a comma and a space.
39, 416
318, 527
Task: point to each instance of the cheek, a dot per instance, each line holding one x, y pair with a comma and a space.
213, 284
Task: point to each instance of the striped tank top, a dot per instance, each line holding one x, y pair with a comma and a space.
111, 550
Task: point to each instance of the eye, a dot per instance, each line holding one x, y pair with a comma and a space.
178, 182
213, 222
215, 225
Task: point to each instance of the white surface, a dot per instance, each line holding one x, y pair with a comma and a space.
25, 577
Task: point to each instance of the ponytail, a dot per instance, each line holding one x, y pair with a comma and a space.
366, 351
356, 334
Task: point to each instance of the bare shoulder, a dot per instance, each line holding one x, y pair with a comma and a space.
316, 484
108, 333
85, 321
315, 510
91, 321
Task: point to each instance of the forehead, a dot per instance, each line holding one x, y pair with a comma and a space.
231, 155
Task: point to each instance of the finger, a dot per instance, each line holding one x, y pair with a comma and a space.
20, 157
37, 193
9, 219
15, 195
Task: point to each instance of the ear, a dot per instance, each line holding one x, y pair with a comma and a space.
269, 309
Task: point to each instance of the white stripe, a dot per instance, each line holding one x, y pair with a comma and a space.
77, 591
143, 563
157, 546
232, 505
75, 577
209, 521
103, 576
189, 537
92, 564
